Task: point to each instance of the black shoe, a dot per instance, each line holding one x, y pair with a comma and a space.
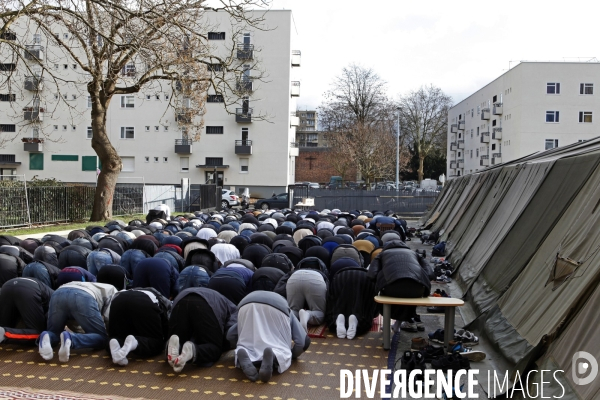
463, 362
446, 363
407, 362
431, 353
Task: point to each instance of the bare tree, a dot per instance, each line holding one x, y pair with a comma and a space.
126, 47
424, 118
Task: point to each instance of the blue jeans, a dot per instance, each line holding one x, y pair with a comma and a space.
38, 271
76, 304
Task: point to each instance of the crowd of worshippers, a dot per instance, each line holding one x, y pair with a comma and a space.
201, 284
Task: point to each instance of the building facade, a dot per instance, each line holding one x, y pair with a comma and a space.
307, 132
246, 151
535, 106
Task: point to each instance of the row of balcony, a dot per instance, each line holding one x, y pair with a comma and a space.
496, 110
184, 146
485, 159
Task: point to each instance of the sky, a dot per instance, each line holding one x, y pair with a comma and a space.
459, 46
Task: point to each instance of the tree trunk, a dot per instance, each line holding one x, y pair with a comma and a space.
110, 161
420, 170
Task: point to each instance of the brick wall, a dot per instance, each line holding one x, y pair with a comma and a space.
312, 165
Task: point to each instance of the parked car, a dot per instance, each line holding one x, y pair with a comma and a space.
277, 201
311, 185
229, 199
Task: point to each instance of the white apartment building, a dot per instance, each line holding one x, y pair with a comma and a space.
535, 106
258, 153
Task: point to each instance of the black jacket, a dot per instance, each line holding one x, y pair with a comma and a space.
398, 261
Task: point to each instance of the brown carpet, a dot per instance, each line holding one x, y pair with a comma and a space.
316, 374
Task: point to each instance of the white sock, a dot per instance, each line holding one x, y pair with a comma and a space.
46, 348
173, 349
352, 325
130, 344
187, 354
304, 317
65, 350
118, 355
341, 326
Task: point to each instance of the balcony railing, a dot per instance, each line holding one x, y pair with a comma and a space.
243, 115
485, 114
496, 158
485, 161
294, 120
34, 83
452, 164
461, 144
497, 133
460, 163
33, 114
296, 58
244, 85
497, 110
33, 145
245, 51
183, 146
454, 128
485, 137
453, 146
183, 116
34, 52
294, 150
243, 147
461, 125
295, 89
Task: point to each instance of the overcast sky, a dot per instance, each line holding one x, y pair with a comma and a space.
459, 46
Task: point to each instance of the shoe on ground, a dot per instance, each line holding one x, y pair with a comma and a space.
446, 363
420, 324
65, 347
467, 352
437, 336
246, 365
432, 353
173, 350
443, 279
467, 338
45, 348
418, 344
266, 367
408, 326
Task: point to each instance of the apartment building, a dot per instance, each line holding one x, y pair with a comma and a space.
246, 151
307, 132
534, 106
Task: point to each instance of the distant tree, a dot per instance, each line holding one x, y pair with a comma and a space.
424, 118
434, 165
123, 48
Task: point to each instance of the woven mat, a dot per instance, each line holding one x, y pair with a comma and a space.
10, 393
316, 374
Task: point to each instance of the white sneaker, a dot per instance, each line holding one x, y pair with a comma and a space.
45, 347
352, 325
408, 326
340, 326
173, 350
304, 316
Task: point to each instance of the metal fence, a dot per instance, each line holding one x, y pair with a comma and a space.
348, 199
44, 204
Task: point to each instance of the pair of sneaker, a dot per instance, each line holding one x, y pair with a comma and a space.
436, 309
467, 352
437, 336
412, 325
340, 326
45, 347
247, 366
466, 337
177, 360
413, 360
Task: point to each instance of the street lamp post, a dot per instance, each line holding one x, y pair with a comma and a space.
398, 152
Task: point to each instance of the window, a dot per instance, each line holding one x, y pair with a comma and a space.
243, 165
37, 38
58, 157
7, 97
165, 159
73, 128
8, 36
551, 143
55, 66
127, 132
65, 66
89, 133
157, 97
167, 97
66, 96
55, 127
156, 128
585, 116
89, 163
74, 66
147, 128
552, 116
155, 159
214, 98
476, 152
36, 161
493, 146
129, 70
73, 97
586, 88
64, 127
146, 159
215, 67
66, 36
148, 97
8, 67
127, 101
494, 123
184, 163
495, 99
214, 129
128, 164
166, 128
89, 102
216, 35
214, 161
471, 153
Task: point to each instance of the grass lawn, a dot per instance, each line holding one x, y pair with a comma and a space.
64, 226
